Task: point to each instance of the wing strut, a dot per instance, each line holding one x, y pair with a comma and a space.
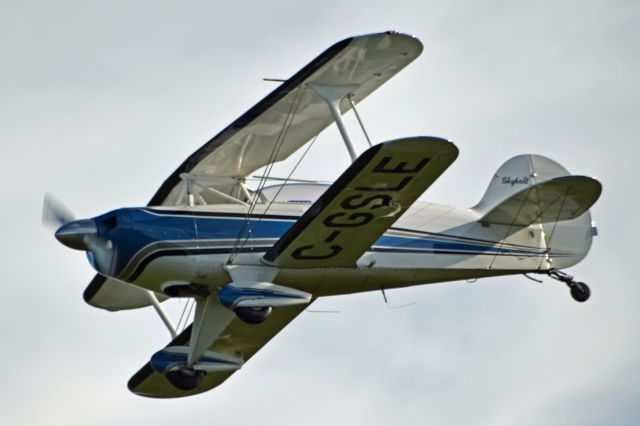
333, 95
162, 313
355, 111
209, 321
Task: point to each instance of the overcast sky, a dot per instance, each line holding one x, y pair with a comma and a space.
101, 101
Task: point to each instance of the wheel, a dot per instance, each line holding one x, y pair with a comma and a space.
185, 378
253, 315
580, 292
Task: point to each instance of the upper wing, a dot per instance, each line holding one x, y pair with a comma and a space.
558, 199
363, 62
363, 203
237, 338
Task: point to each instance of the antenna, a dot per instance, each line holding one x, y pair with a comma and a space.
386, 301
533, 279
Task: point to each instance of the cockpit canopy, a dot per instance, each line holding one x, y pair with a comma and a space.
295, 193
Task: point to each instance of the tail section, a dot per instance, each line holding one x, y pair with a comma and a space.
537, 194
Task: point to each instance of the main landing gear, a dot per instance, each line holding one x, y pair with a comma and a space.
579, 290
185, 378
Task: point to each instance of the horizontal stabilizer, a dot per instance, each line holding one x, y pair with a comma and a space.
558, 199
114, 295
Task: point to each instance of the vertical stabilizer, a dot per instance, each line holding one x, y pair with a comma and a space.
536, 194
516, 174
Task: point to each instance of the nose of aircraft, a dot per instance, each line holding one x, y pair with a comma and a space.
73, 234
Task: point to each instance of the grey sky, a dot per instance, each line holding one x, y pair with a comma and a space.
101, 101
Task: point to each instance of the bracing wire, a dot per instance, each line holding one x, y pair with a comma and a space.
182, 315
263, 182
555, 223
272, 158
513, 222
186, 319
184, 310
246, 238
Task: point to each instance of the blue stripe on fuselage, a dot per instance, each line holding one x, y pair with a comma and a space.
136, 228
435, 245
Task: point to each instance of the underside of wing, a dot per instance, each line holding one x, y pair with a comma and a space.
238, 339
288, 117
363, 203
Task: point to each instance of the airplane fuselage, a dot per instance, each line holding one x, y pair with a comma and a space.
158, 247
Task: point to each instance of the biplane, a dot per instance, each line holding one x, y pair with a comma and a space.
254, 254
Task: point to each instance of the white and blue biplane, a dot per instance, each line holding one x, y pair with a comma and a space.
253, 258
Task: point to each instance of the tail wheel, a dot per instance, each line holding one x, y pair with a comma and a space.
580, 292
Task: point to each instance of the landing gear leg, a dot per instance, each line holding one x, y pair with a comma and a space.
579, 290
209, 321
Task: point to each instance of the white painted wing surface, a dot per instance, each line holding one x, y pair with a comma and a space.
365, 201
